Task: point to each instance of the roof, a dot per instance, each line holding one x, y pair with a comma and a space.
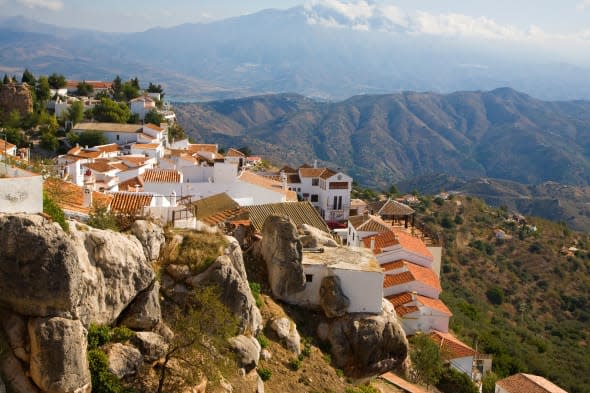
394, 208
293, 178
153, 126
393, 265
368, 223
216, 208
327, 173
78, 151
401, 303
382, 240
400, 299
108, 127
95, 84
99, 166
161, 176
435, 304
133, 184
110, 148
5, 146
137, 160
252, 178
451, 347
412, 243
357, 203
413, 272
402, 383
142, 99
130, 202
287, 169
298, 212
145, 146
528, 383
231, 152
311, 172
70, 197
197, 147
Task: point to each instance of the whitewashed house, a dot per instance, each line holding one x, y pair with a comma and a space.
21, 191
522, 382
124, 134
420, 313
394, 245
142, 105
8, 148
402, 276
364, 226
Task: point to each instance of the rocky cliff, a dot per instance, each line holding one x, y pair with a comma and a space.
16, 97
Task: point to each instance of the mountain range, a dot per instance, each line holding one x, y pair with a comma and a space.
313, 50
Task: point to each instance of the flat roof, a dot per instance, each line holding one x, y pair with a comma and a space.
343, 258
108, 127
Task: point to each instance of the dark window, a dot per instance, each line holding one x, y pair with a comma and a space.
335, 204
340, 203
314, 197
117, 136
308, 277
315, 182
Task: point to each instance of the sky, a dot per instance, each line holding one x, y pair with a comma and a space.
564, 18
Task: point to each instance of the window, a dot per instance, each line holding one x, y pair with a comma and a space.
314, 197
117, 136
335, 204
306, 195
315, 182
308, 277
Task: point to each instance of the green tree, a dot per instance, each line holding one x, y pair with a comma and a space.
117, 88
84, 89
393, 190
153, 88
176, 132
51, 208
28, 77
57, 81
154, 117
91, 138
453, 381
49, 141
135, 83
426, 359
75, 112
489, 382
110, 111
102, 218
129, 91
6, 79
42, 89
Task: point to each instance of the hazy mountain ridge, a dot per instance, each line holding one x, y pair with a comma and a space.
274, 51
387, 138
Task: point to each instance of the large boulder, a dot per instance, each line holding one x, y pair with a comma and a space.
229, 273
151, 236
14, 375
58, 355
124, 360
144, 312
16, 332
286, 332
333, 301
248, 350
365, 345
312, 237
282, 251
88, 274
151, 345
2, 386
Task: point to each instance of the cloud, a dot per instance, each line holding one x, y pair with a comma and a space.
583, 4
52, 5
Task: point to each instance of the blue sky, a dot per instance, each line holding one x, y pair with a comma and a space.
563, 17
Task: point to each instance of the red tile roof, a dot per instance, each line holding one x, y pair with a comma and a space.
412, 243
368, 223
403, 310
311, 172
253, 178
161, 176
133, 184
231, 152
207, 147
153, 127
400, 299
111, 148
5, 146
435, 304
382, 240
451, 347
391, 280
146, 146
413, 273
70, 197
130, 202
393, 265
528, 383
99, 166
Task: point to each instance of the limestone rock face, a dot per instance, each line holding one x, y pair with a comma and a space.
229, 273
151, 237
16, 96
14, 375
333, 301
2, 386
366, 345
151, 345
248, 350
312, 237
58, 355
124, 360
286, 331
144, 312
282, 252
16, 332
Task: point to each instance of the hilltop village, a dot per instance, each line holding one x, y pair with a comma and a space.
148, 170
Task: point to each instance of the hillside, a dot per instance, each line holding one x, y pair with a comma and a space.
550, 200
508, 296
381, 139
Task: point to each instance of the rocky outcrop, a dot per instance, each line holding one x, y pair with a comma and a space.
58, 355
15, 376
144, 313
366, 345
247, 349
151, 345
2, 386
333, 301
286, 332
282, 251
151, 236
16, 97
16, 332
312, 237
124, 360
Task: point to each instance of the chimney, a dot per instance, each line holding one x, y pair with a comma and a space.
283, 178
173, 199
372, 243
413, 293
315, 163
87, 196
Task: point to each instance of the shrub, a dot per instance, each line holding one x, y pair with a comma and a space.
453, 381
98, 335
54, 211
122, 334
264, 373
199, 250
102, 380
362, 389
495, 295
262, 340
295, 364
102, 218
255, 289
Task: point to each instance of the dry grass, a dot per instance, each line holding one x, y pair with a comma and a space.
197, 250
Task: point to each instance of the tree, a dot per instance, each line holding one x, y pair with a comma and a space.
453, 381
110, 111
42, 89
57, 81
176, 132
393, 190
117, 88
426, 359
49, 141
489, 382
91, 138
129, 91
152, 88
75, 112
135, 83
202, 327
154, 117
28, 77
6, 79
84, 89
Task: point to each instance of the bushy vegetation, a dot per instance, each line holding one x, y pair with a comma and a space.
255, 289
54, 211
198, 250
265, 373
102, 218
103, 381
362, 389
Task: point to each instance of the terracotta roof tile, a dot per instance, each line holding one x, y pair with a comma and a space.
252, 178
130, 202
161, 176
207, 147
108, 127
135, 160
145, 146
435, 304
82, 153
287, 169
231, 152
403, 310
311, 172
70, 197
528, 383
400, 299
152, 126
393, 265
5, 145
382, 240
293, 178
327, 173
412, 243
213, 205
451, 347
298, 212
133, 184
111, 148
413, 273
368, 223
99, 166
393, 207
391, 280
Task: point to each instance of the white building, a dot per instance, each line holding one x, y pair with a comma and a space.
403, 276
142, 105
7, 147
327, 190
123, 134
21, 191
420, 313
364, 226
360, 277
394, 245
522, 382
